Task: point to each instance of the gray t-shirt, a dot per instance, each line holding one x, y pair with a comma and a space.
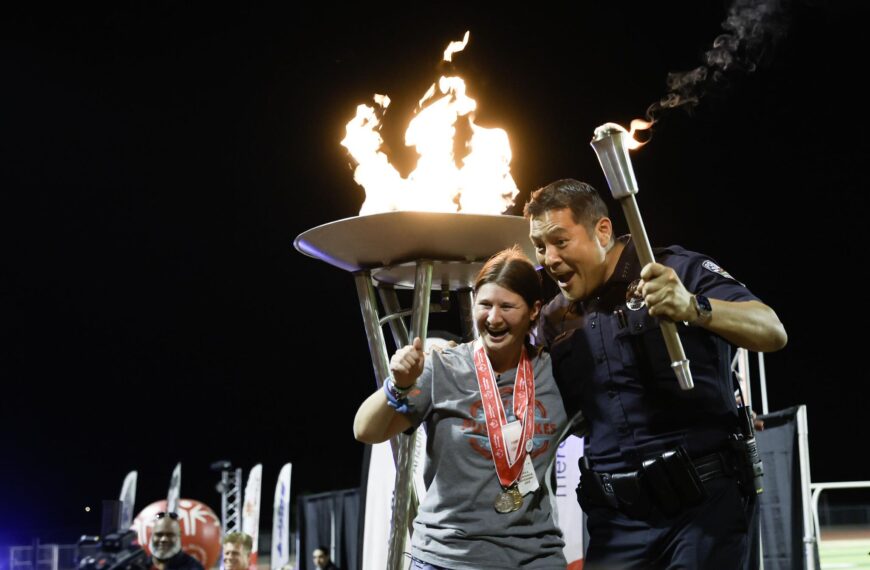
457, 526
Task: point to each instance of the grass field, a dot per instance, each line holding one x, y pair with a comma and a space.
849, 549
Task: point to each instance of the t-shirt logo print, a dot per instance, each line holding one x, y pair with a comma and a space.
475, 429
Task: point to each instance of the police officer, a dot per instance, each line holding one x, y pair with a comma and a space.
667, 476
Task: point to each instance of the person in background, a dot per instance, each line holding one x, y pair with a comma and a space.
165, 545
237, 547
321, 559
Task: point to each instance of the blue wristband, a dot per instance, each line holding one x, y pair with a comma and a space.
394, 400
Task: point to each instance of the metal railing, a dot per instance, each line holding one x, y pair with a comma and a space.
817, 489
48, 557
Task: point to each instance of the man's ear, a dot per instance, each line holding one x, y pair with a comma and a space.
604, 231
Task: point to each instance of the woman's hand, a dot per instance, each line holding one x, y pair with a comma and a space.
407, 364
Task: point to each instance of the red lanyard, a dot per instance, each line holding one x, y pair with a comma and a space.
524, 410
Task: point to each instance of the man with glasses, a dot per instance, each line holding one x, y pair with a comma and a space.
166, 552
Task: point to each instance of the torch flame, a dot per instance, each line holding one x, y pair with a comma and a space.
481, 183
638, 125
630, 142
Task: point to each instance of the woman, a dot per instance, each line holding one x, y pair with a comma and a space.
482, 509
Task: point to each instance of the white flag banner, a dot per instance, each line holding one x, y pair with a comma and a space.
281, 520
379, 498
567, 511
128, 499
251, 509
174, 490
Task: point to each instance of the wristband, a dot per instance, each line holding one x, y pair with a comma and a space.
397, 398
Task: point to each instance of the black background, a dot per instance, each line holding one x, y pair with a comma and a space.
158, 159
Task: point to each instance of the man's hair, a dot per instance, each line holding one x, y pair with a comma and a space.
240, 539
585, 203
511, 269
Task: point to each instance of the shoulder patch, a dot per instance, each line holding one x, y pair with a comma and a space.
711, 266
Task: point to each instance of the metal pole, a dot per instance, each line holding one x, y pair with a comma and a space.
762, 382
743, 370
403, 445
817, 489
407, 443
810, 536
391, 305
368, 305
231, 512
225, 481
466, 317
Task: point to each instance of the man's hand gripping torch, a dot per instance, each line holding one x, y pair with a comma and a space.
610, 144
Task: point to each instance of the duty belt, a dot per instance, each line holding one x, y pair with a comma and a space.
670, 482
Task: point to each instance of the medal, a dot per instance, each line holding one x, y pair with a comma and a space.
504, 503
508, 463
509, 500
517, 497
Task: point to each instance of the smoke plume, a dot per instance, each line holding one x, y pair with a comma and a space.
752, 30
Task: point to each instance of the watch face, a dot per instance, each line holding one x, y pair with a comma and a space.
704, 304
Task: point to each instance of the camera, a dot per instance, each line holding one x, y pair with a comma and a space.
116, 551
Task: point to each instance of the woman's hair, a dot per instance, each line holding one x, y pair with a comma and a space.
511, 269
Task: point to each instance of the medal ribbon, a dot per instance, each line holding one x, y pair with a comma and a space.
493, 411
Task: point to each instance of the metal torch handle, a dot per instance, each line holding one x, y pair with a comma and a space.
679, 362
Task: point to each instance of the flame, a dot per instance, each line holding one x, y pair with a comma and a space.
480, 184
454, 47
631, 143
637, 125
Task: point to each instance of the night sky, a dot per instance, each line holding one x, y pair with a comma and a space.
158, 159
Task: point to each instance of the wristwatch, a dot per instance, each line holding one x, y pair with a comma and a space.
703, 308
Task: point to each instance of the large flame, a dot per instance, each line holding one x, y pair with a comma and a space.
480, 184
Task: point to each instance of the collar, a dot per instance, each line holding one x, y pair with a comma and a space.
612, 292
628, 267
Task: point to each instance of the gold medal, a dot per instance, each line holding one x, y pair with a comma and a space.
517, 497
509, 500
504, 503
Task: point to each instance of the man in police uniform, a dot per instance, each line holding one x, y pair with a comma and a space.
667, 477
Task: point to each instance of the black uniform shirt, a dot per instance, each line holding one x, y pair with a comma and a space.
611, 363
181, 561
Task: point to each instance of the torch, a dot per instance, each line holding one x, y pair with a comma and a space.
610, 143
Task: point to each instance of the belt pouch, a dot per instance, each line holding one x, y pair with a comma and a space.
684, 478
659, 483
631, 493
591, 491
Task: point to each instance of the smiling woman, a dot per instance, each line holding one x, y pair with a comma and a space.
494, 418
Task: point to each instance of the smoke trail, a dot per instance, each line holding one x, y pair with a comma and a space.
752, 30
